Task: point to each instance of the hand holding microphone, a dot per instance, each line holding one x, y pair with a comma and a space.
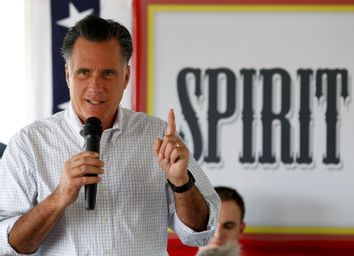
82, 169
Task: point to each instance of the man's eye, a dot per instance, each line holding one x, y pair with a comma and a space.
108, 74
229, 225
83, 72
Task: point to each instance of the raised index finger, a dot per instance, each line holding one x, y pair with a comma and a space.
171, 123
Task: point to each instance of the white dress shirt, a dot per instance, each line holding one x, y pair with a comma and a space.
134, 204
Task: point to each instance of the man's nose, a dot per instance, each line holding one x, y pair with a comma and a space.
219, 232
95, 83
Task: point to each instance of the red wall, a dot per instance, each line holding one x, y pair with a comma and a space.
280, 245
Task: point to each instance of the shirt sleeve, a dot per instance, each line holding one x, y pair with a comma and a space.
18, 189
186, 234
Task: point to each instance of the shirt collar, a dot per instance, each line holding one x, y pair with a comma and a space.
75, 123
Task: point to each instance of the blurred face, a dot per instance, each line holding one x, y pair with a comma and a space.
230, 226
97, 77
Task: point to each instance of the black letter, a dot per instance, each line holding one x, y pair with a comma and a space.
304, 116
268, 116
213, 114
187, 108
247, 115
332, 156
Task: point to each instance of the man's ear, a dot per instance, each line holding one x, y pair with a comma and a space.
67, 74
242, 227
127, 76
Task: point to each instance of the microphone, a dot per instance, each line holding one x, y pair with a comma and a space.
92, 131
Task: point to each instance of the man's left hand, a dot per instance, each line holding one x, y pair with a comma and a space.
172, 154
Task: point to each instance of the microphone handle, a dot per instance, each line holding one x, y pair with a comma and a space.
92, 144
90, 195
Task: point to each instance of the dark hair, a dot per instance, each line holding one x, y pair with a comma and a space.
227, 193
96, 29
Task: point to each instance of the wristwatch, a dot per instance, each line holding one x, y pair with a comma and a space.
184, 187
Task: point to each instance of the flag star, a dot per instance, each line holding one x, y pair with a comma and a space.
64, 105
74, 16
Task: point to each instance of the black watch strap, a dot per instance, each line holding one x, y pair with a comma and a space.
184, 187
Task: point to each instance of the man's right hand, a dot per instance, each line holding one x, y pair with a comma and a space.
33, 227
74, 176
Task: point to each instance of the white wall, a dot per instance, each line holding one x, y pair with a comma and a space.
13, 100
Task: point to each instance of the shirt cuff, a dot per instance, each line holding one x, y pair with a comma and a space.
5, 228
192, 238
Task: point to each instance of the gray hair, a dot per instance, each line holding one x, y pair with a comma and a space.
96, 29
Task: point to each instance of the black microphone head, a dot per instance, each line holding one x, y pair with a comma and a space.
92, 126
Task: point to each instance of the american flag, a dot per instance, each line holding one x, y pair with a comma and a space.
64, 14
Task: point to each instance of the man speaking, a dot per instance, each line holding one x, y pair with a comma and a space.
146, 178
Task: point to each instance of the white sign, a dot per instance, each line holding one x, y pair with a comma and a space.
263, 99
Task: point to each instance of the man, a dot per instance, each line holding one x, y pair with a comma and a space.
230, 227
145, 172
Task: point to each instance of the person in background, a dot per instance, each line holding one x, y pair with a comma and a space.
147, 178
230, 227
